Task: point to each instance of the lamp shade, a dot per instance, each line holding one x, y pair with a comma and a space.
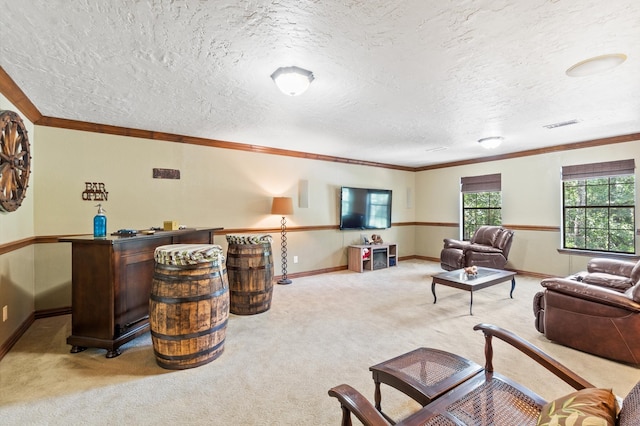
282, 206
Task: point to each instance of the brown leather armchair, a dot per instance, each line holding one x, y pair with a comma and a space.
596, 311
489, 247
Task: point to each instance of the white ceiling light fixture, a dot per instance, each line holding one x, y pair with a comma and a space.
292, 81
491, 142
596, 65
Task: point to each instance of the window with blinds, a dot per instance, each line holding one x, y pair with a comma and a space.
598, 203
481, 202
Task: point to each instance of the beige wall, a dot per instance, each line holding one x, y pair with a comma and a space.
17, 275
233, 189
531, 196
218, 187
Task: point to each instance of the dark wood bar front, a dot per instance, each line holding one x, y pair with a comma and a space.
111, 282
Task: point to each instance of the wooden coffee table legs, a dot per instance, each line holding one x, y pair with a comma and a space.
468, 288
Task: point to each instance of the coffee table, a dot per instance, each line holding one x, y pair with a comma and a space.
423, 374
486, 277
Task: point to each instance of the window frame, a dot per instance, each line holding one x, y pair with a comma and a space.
474, 185
591, 176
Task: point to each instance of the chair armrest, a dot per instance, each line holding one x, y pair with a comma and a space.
354, 402
451, 243
480, 248
602, 279
533, 352
621, 268
591, 293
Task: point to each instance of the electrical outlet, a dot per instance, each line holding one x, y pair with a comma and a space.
5, 313
295, 259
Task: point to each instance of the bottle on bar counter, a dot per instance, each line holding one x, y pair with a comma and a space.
100, 223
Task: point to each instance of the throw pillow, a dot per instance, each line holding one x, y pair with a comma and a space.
586, 407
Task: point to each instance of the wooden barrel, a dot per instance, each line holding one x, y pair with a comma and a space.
250, 270
188, 306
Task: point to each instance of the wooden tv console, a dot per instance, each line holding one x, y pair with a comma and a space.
380, 256
111, 282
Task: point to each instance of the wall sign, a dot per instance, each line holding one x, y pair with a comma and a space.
166, 174
94, 191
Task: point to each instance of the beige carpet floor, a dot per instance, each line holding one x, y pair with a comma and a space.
278, 366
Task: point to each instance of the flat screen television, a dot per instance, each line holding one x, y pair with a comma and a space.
365, 208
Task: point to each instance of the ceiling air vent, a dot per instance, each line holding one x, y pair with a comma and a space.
561, 124
436, 149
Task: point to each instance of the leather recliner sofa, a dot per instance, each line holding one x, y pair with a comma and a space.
489, 247
596, 311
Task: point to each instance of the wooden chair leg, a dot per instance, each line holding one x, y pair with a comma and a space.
346, 416
352, 401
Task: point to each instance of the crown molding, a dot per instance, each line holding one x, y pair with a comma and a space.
16, 96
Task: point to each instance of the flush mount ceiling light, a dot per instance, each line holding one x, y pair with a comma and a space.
596, 65
491, 142
292, 81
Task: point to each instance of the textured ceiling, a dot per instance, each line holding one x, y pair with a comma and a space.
396, 82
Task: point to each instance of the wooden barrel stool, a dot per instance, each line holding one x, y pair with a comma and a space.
188, 305
250, 270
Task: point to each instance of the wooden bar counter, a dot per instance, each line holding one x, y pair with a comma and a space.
111, 282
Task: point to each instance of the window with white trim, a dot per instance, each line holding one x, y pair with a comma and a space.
598, 207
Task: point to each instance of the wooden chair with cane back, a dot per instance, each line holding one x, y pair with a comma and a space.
489, 398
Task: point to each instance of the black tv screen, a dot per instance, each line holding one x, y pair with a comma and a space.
364, 208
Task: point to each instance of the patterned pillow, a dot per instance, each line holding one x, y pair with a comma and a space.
586, 407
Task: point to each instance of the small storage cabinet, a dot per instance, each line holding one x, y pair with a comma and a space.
369, 257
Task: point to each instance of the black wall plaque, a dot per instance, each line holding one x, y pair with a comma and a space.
166, 174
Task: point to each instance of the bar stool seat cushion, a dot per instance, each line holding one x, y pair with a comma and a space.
189, 254
249, 238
